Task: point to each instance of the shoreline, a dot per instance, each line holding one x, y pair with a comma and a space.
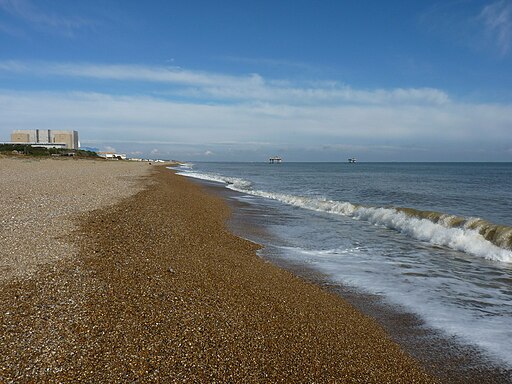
161, 290
446, 357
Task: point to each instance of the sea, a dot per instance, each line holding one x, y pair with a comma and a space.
434, 239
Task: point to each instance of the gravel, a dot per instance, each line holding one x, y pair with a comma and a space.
41, 199
160, 291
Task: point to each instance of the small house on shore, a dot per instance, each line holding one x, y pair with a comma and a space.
112, 155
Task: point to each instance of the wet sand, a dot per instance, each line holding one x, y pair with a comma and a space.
160, 290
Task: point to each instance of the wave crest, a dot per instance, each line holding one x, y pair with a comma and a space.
470, 235
500, 235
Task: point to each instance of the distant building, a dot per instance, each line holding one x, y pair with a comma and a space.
112, 155
46, 138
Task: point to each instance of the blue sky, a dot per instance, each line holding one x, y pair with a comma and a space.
244, 80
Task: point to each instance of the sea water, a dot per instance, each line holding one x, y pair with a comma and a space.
434, 238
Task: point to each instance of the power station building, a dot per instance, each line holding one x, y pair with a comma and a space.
46, 138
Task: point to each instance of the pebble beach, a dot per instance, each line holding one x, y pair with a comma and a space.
42, 199
124, 272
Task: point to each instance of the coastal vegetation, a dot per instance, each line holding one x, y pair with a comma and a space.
29, 150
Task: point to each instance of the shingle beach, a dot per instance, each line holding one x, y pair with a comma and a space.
125, 272
41, 198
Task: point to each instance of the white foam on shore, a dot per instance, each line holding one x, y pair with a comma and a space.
461, 239
233, 183
343, 265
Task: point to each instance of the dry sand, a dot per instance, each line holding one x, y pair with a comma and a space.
40, 201
157, 290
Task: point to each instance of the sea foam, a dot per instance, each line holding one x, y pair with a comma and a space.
459, 234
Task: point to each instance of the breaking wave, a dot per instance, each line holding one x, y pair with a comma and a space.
471, 235
234, 183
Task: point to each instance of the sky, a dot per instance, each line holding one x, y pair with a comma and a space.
245, 80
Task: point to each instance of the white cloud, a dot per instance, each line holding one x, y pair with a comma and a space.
497, 19
120, 118
41, 18
214, 86
486, 28
232, 114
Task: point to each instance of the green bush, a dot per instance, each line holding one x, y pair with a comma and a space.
39, 151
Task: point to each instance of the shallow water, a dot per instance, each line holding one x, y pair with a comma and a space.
342, 220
